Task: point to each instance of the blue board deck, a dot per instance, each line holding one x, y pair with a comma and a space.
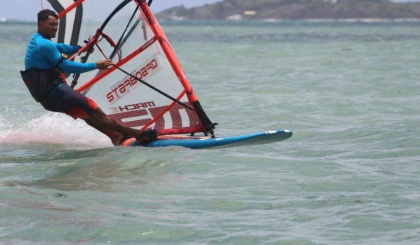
199, 142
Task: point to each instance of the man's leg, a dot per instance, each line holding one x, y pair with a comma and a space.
115, 131
77, 105
115, 137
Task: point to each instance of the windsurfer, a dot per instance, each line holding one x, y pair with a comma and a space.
45, 62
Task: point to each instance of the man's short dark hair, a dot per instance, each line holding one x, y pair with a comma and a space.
44, 14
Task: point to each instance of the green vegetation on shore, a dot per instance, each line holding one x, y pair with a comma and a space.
296, 9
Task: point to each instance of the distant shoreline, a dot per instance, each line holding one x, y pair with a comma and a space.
337, 10
361, 20
6, 21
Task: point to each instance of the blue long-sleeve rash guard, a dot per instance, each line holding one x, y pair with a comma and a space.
42, 53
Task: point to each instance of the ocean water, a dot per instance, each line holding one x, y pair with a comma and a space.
350, 174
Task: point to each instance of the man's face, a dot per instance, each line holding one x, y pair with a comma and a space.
49, 27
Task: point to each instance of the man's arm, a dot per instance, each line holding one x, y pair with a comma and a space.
67, 49
76, 67
51, 51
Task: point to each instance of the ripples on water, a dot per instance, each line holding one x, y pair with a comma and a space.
290, 31
348, 91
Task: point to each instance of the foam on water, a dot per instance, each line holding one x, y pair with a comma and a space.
54, 128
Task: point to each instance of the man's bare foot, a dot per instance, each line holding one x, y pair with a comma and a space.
146, 136
118, 140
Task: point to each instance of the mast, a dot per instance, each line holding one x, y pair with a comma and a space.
192, 97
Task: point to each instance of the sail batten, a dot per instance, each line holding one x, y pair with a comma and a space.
70, 21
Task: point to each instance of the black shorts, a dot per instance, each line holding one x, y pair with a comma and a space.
73, 103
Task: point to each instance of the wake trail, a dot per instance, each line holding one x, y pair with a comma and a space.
52, 128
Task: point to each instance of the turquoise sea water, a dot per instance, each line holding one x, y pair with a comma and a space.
350, 92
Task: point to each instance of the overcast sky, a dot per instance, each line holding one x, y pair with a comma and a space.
27, 9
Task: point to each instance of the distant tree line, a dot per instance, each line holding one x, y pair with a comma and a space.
297, 9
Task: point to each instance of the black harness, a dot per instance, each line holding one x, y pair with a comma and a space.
41, 82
